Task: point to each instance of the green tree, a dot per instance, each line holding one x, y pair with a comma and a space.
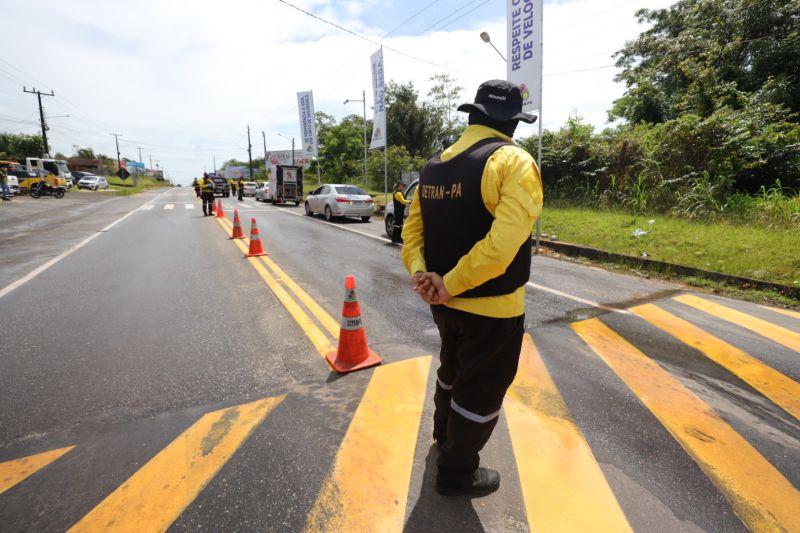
84, 153
700, 56
19, 145
398, 161
341, 147
445, 97
414, 125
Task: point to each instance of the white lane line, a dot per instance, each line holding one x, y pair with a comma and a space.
345, 228
169, 207
35, 272
577, 298
189, 206
529, 284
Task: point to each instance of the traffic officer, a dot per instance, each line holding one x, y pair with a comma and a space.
207, 194
196, 187
233, 186
467, 247
240, 185
400, 203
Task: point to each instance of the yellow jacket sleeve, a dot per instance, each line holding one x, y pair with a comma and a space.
512, 191
413, 252
400, 198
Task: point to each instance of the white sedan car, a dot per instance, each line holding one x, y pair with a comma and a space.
249, 188
340, 201
262, 192
93, 182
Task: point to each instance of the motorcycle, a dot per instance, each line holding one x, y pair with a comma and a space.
45, 189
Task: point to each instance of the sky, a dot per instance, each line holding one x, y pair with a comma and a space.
183, 80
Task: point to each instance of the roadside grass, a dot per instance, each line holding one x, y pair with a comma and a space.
763, 253
126, 188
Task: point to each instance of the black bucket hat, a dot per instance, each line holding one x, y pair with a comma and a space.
500, 100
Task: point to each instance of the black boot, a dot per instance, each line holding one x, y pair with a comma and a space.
481, 482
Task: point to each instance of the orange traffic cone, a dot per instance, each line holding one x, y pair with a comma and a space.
255, 241
353, 352
220, 211
237, 226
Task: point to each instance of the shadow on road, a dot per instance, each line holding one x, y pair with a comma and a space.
434, 512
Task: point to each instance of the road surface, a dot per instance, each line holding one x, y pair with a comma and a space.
154, 378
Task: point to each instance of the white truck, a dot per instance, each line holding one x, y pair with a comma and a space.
286, 185
56, 171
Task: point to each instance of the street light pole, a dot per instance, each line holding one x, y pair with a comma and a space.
285, 137
364, 102
485, 38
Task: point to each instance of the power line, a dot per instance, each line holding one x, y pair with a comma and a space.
349, 61
373, 41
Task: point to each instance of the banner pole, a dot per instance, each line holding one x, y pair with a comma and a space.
541, 92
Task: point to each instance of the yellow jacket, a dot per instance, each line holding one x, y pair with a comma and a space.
511, 188
206, 184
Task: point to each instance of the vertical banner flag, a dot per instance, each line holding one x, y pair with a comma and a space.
379, 115
525, 50
308, 127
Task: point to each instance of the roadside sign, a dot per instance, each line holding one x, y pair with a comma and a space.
123, 173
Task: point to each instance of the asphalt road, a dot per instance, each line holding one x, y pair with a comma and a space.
154, 378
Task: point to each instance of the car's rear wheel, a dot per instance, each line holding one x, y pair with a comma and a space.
365, 219
389, 223
308, 210
328, 213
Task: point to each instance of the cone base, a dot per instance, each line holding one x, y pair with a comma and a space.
239, 237
255, 254
341, 367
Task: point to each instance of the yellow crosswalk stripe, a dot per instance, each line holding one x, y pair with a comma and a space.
563, 487
12, 472
367, 488
787, 312
776, 333
158, 493
776, 386
761, 497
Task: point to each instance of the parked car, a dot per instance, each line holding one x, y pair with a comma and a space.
249, 188
13, 184
78, 175
221, 186
93, 182
262, 192
340, 200
14, 171
388, 218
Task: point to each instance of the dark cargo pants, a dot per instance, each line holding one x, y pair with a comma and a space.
479, 358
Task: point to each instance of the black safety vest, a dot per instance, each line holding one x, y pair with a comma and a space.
454, 217
399, 207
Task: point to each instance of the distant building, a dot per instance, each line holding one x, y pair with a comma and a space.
95, 166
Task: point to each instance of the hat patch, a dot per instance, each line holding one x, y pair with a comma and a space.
496, 97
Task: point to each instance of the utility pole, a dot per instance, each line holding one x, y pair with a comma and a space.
39, 94
363, 101
119, 163
215, 165
151, 161
264, 137
250, 153
138, 170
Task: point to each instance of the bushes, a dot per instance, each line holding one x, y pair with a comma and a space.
689, 166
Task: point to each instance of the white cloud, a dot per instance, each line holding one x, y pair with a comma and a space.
187, 78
